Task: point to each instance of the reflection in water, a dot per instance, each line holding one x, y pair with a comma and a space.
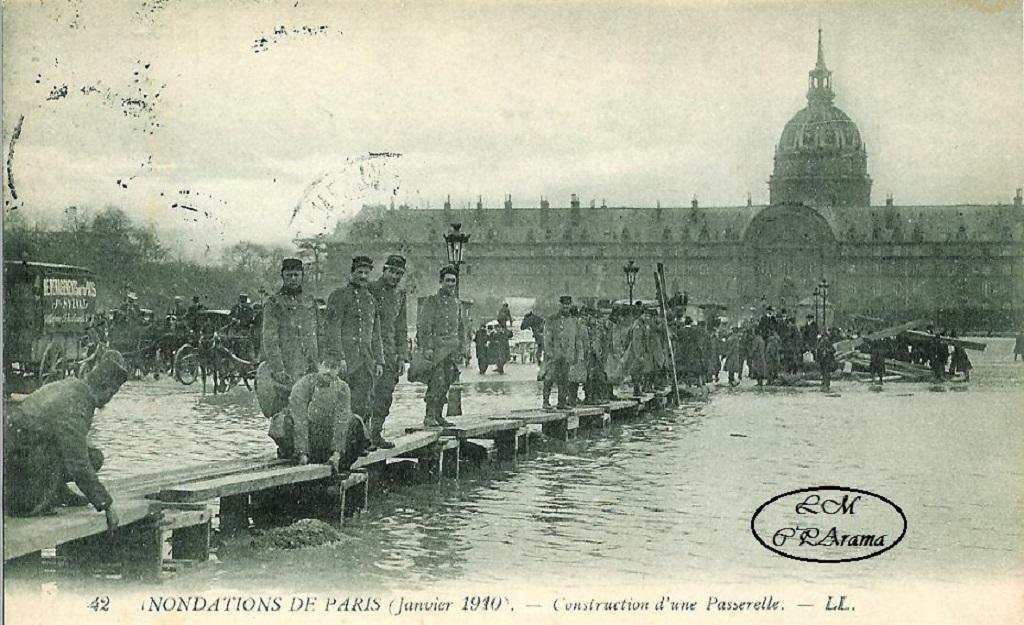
667, 497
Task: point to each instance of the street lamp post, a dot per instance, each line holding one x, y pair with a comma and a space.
817, 317
823, 288
630, 269
455, 245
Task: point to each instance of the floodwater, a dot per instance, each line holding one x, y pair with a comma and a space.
663, 498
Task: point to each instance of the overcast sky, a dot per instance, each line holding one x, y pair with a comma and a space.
633, 102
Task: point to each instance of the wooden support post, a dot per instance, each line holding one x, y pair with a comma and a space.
191, 543
558, 430
523, 440
507, 443
141, 549
234, 513
450, 462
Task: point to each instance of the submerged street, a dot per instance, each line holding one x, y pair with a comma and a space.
650, 501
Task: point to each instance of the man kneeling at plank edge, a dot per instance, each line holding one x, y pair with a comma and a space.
46, 443
319, 425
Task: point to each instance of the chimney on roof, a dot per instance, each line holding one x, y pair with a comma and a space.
888, 200
448, 203
508, 201
604, 204
574, 201
1018, 200
750, 202
479, 202
544, 202
694, 203
593, 203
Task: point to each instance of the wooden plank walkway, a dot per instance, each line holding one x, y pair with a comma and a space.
25, 535
175, 501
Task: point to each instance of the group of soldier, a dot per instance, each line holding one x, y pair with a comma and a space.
583, 346
337, 378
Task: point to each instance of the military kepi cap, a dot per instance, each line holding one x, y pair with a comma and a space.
361, 261
448, 270
291, 264
565, 299
395, 261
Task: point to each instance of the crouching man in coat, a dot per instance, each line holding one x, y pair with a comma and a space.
46, 443
319, 425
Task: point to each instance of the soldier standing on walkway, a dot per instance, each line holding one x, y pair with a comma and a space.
394, 335
289, 339
353, 336
440, 332
560, 353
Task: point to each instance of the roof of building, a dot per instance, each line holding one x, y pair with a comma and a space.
687, 224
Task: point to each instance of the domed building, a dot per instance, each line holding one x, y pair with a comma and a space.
960, 265
820, 159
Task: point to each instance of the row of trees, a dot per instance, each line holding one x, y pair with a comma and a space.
131, 258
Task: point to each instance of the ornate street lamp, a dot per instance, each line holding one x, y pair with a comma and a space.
630, 269
455, 245
823, 289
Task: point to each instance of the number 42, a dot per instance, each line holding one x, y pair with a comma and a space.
99, 604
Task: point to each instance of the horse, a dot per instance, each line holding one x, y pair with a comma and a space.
535, 324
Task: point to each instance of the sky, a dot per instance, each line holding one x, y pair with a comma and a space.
263, 120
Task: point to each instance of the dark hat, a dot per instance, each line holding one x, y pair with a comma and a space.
565, 299
361, 261
395, 260
291, 264
448, 270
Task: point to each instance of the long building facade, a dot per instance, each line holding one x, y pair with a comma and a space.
960, 265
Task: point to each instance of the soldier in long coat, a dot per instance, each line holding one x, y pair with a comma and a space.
289, 339
394, 337
560, 353
756, 357
440, 335
353, 336
596, 389
734, 356
773, 356
46, 443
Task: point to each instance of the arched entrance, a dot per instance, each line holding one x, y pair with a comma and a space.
789, 248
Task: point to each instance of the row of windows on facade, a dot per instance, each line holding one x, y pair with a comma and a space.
940, 270
581, 234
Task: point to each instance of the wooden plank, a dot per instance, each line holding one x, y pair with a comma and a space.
177, 518
403, 445
535, 418
238, 484
477, 428
947, 340
905, 369
151, 483
848, 346
621, 404
23, 535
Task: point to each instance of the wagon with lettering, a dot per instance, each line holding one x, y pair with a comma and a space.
48, 309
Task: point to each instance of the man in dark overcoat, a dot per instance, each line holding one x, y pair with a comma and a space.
394, 337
